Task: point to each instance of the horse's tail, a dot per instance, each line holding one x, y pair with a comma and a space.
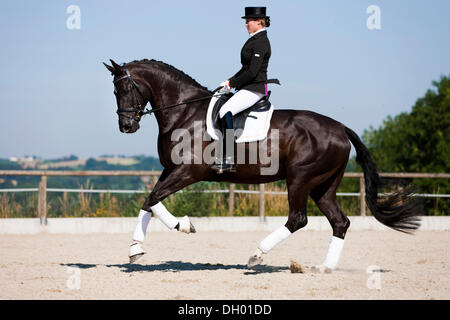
399, 210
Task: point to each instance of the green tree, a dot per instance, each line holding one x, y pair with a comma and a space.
417, 141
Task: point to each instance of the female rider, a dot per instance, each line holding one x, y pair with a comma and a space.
250, 81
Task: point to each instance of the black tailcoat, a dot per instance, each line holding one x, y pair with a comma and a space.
255, 55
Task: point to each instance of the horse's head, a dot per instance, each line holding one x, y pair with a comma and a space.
130, 100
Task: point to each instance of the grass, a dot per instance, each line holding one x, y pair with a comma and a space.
192, 202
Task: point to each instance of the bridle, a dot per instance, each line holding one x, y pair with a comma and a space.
140, 110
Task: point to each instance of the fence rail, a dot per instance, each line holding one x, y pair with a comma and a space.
42, 188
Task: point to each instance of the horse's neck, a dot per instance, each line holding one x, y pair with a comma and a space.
166, 91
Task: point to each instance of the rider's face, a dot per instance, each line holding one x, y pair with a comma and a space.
253, 25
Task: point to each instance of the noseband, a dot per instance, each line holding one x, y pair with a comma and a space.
139, 111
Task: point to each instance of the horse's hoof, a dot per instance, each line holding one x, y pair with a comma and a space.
186, 225
136, 251
136, 257
254, 261
321, 269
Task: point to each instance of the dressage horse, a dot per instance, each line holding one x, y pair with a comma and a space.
313, 151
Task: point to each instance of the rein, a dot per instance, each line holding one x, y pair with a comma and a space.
147, 111
141, 110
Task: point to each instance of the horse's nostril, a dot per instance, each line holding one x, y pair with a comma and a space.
125, 126
128, 126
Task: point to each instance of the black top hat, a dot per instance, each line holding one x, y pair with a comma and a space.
255, 12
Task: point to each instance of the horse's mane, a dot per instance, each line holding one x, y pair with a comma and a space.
177, 74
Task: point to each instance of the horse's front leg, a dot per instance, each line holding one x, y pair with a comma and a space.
169, 182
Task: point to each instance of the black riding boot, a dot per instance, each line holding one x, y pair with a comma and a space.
226, 164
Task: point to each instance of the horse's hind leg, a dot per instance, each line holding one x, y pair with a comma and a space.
325, 197
298, 196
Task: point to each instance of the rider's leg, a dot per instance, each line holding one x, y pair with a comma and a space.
228, 138
225, 160
240, 101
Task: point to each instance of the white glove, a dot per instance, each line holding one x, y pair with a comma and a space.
225, 86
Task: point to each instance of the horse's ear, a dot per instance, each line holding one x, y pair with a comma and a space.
111, 69
115, 65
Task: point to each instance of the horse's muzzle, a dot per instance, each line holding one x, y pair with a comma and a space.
128, 126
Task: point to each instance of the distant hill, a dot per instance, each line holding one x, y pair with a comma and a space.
73, 163
100, 163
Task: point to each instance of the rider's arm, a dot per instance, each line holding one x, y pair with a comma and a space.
244, 77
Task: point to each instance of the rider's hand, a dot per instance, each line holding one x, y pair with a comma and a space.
225, 86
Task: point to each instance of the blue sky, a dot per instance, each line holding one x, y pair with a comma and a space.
56, 97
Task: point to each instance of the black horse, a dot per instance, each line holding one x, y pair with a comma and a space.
312, 149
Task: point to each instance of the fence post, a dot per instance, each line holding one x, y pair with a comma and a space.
42, 202
261, 203
362, 194
231, 200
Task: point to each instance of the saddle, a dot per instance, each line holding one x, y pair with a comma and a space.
239, 120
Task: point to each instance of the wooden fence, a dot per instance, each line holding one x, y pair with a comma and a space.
42, 202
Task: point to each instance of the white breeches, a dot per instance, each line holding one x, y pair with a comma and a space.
240, 101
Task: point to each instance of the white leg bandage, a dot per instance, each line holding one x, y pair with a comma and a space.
141, 227
274, 238
334, 252
160, 211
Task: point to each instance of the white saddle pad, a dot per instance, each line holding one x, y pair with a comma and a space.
256, 125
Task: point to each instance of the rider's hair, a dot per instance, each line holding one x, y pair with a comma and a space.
265, 22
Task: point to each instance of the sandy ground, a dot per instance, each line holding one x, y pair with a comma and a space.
212, 265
